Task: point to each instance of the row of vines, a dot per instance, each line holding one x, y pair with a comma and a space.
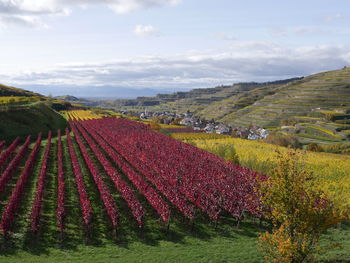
151, 173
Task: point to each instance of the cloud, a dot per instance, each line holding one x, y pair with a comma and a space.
224, 36
126, 6
331, 18
301, 31
24, 12
306, 30
145, 31
21, 20
279, 32
245, 61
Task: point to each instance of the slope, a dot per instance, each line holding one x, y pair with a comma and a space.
23, 112
323, 91
30, 119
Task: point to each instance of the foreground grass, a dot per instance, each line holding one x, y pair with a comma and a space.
226, 244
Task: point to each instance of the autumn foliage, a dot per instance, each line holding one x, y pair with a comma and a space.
298, 210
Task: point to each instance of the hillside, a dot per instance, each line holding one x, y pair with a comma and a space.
31, 119
327, 90
7, 91
200, 101
23, 112
314, 108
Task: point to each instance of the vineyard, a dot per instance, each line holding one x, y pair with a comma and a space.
109, 162
98, 183
332, 170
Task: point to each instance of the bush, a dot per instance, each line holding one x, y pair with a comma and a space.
299, 212
155, 126
288, 122
314, 147
285, 141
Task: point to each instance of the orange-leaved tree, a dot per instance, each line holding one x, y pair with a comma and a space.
299, 211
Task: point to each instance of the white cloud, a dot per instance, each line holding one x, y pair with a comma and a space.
279, 32
126, 6
21, 20
307, 30
246, 61
145, 31
224, 36
301, 31
13, 11
331, 18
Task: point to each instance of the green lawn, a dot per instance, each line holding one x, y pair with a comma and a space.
226, 244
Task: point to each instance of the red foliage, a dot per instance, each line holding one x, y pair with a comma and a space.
208, 181
127, 193
14, 202
79, 181
146, 190
36, 209
7, 153
13, 165
173, 196
60, 212
105, 195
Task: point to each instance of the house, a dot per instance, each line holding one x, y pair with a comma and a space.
210, 128
222, 129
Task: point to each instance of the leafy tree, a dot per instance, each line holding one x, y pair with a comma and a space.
299, 212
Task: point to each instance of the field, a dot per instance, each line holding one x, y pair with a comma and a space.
84, 196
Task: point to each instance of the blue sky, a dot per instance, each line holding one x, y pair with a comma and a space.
82, 46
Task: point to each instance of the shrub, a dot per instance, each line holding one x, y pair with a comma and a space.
299, 212
286, 141
288, 122
329, 116
155, 126
314, 147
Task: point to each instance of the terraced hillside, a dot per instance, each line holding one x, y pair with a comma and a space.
323, 91
201, 101
265, 104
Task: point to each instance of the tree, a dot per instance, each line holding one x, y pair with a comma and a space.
299, 212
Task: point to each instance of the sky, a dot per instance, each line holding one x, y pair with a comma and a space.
102, 48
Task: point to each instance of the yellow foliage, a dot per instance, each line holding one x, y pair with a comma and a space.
83, 115
324, 130
198, 136
171, 126
299, 211
16, 99
155, 126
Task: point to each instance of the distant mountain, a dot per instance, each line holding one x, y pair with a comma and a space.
95, 92
67, 98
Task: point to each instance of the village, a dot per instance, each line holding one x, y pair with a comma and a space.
197, 124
